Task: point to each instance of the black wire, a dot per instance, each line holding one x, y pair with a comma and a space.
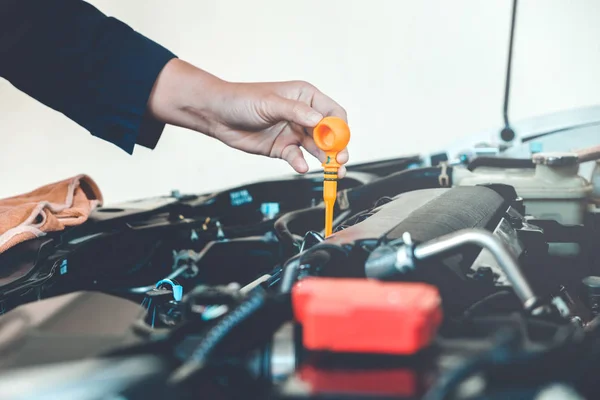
560, 130
476, 307
352, 220
216, 335
382, 201
447, 383
509, 66
362, 215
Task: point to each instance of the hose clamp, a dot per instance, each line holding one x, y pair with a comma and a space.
342, 199
444, 179
405, 257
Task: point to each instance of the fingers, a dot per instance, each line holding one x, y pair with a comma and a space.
304, 104
307, 109
294, 111
327, 107
309, 144
293, 155
343, 156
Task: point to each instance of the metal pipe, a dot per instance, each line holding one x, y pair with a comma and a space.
487, 240
255, 283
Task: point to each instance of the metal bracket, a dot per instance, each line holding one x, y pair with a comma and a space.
444, 179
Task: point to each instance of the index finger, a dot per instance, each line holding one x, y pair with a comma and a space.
327, 106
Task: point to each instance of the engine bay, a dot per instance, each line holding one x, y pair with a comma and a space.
470, 280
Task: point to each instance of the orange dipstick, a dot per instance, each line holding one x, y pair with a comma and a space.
331, 135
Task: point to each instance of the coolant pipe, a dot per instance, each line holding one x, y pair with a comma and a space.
482, 238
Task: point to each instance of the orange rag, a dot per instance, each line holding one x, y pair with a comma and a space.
50, 208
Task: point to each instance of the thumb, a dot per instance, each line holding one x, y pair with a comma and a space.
295, 111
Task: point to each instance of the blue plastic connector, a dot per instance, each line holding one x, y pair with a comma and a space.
177, 289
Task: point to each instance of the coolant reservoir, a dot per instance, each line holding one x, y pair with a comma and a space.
552, 190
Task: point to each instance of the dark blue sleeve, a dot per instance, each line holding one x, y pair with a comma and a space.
94, 69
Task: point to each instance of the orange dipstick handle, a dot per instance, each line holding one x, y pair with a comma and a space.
331, 135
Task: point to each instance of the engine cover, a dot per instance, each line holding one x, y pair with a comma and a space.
467, 275
66, 328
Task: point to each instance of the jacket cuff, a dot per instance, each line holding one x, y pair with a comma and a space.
150, 132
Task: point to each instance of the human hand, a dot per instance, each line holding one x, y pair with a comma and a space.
269, 119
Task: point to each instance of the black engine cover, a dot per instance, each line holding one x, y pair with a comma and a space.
426, 215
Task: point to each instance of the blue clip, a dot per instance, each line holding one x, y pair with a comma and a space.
177, 289
535, 147
269, 210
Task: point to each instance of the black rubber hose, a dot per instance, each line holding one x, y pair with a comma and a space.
385, 167
500, 162
365, 196
316, 256
300, 221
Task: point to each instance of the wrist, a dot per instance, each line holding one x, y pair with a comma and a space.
184, 95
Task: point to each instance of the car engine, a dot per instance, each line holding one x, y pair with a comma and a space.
477, 279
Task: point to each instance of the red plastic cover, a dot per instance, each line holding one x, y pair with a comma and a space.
353, 315
378, 383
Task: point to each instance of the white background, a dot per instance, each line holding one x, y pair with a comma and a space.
413, 76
